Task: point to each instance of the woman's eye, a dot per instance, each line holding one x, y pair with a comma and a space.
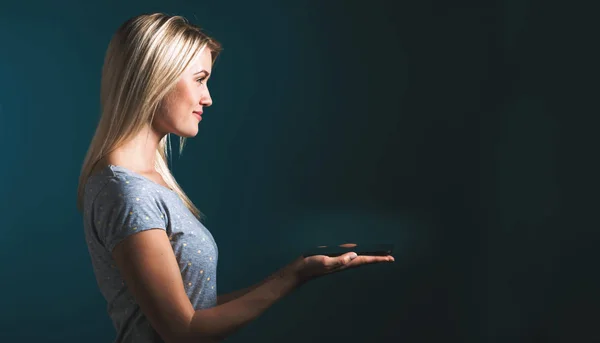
200, 80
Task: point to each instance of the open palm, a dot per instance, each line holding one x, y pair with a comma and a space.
318, 265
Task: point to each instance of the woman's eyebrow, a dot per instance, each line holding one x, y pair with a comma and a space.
202, 71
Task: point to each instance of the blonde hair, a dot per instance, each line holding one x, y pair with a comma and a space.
144, 60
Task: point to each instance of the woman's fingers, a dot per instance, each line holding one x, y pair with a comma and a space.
362, 260
375, 259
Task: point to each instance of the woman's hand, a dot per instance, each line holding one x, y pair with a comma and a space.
308, 268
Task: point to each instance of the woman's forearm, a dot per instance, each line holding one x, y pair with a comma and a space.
215, 324
227, 297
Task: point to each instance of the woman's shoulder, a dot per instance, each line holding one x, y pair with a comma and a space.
111, 182
116, 182
105, 177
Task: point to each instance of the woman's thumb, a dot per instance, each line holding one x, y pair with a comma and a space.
346, 258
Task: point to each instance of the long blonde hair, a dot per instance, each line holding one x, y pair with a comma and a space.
144, 60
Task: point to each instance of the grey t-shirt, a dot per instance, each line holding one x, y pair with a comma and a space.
119, 203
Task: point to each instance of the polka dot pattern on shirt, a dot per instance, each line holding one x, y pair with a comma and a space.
119, 203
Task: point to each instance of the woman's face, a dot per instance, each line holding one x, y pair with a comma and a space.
180, 111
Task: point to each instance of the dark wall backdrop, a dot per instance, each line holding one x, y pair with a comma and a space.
464, 132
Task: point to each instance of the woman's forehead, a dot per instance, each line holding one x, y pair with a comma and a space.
202, 61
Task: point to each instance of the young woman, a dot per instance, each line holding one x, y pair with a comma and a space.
154, 260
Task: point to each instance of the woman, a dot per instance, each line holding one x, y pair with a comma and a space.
154, 261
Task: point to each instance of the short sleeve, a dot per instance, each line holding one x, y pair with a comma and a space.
123, 208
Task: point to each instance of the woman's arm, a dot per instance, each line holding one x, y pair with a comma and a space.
223, 320
227, 297
149, 268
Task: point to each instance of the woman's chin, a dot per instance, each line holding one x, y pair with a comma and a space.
188, 132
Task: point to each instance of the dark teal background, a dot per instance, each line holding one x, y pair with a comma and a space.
464, 132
